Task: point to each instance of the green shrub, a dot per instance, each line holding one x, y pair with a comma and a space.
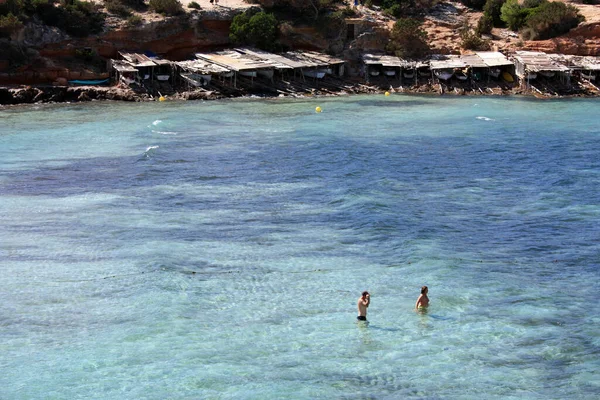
553, 19
77, 19
348, 11
117, 8
85, 54
470, 40
476, 4
134, 20
194, 5
9, 23
403, 8
135, 4
14, 7
408, 39
332, 26
493, 9
484, 25
532, 3
514, 14
254, 27
166, 7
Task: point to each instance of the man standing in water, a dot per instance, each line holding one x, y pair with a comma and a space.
363, 304
423, 300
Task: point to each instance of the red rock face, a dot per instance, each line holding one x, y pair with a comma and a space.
583, 41
174, 40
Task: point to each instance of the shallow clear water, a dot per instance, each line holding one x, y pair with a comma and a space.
216, 250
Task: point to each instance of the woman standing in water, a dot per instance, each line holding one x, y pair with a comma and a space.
423, 300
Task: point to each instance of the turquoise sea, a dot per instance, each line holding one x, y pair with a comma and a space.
216, 250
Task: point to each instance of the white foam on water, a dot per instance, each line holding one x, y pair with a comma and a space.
165, 132
485, 118
158, 121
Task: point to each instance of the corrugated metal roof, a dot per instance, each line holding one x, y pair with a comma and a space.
326, 58
232, 60
202, 66
473, 61
275, 60
535, 61
577, 62
303, 61
493, 58
383, 60
122, 66
446, 62
142, 60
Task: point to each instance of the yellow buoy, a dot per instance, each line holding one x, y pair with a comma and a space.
387, 93
318, 109
161, 98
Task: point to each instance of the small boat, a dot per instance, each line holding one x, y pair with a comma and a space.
547, 74
389, 72
163, 78
460, 75
530, 75
89, 82
408, 74
507, 77
374, 72
196, 80
266, 73
443, 74
314, 73
251, 74
589, 75
494, 72
126, 80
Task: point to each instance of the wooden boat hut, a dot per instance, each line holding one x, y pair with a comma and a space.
444, 67
314, 65
199, 73
122, 72
584, 67
531, 65
277, 62
236, 62
495, 65
149, 68
335, 66
381, 64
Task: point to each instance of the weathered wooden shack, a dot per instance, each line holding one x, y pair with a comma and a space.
198, 73
238, 63
584, 67
122, 72
493, 65
314, 65
276, 62
444, 67
149, 68
381, 64
531, 65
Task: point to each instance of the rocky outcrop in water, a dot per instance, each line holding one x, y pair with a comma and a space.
50, 94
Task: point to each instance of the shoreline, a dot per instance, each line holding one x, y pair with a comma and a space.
46, 94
